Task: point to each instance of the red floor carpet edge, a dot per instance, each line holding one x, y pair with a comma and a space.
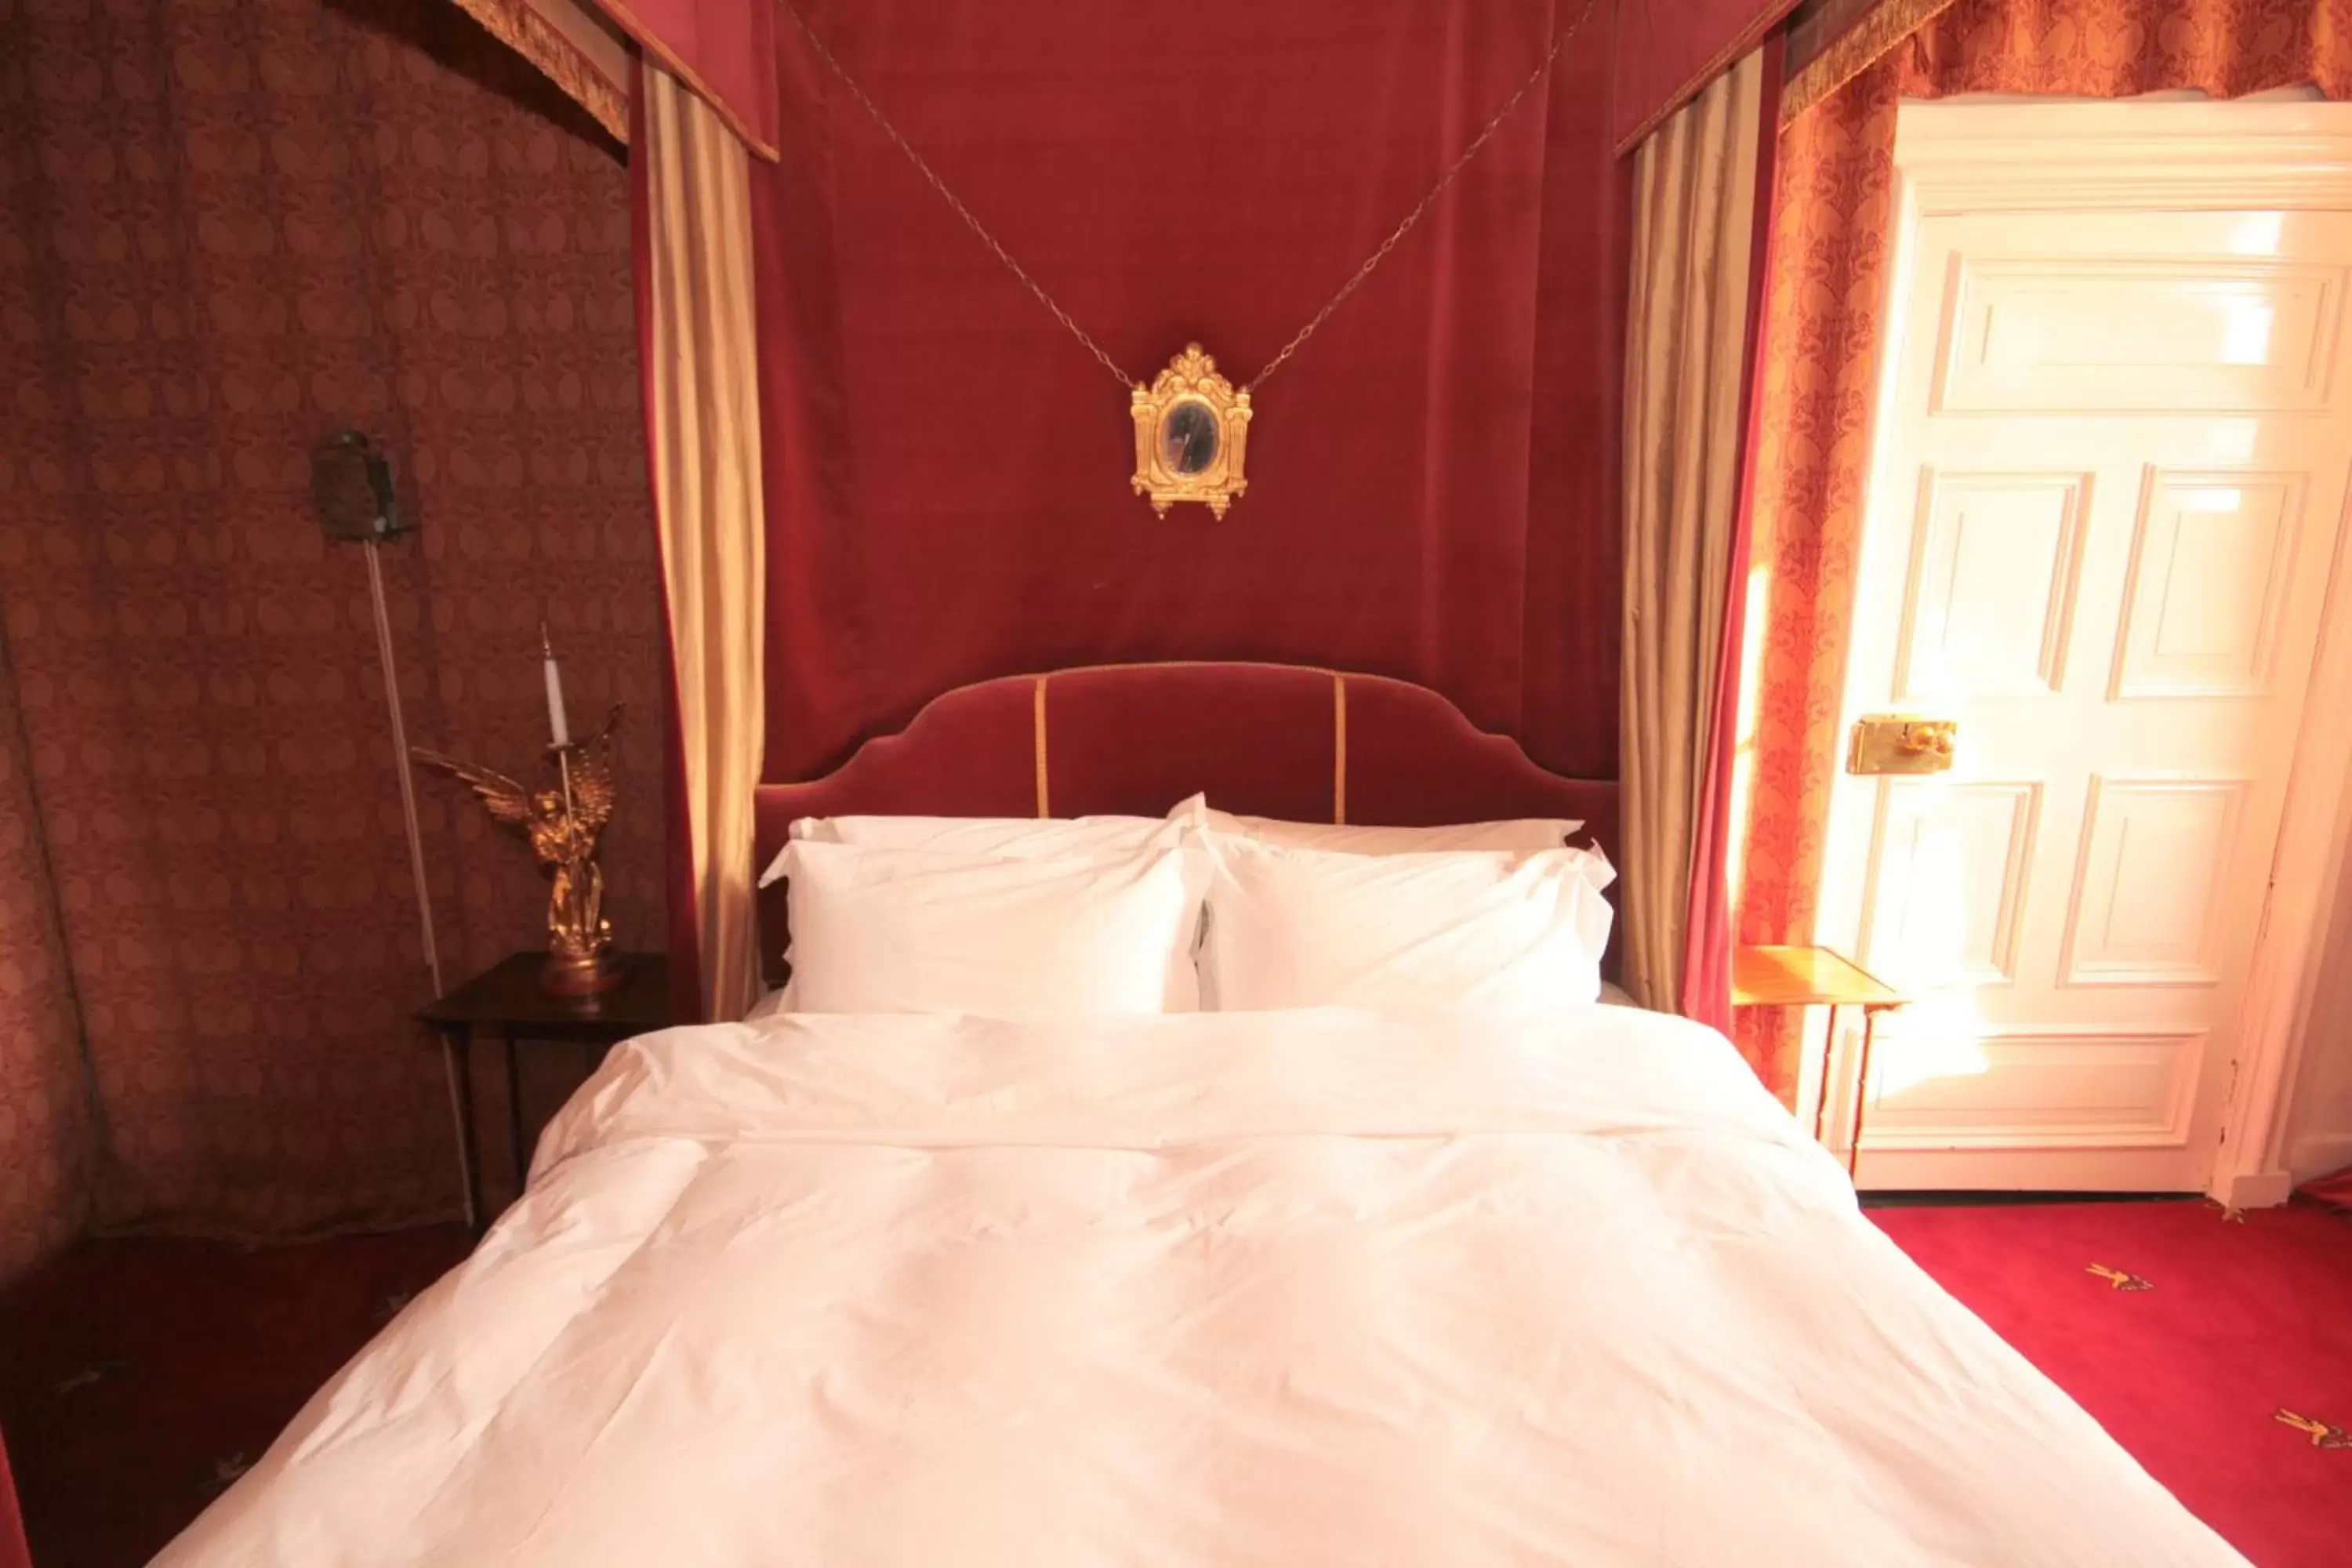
138, 1377
2238, 1320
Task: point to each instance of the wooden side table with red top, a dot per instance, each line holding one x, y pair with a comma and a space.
506, 1002
1816, 977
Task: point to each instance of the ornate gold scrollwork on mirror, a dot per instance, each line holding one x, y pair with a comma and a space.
1192, 433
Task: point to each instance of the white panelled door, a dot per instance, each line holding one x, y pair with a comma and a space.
2114, 440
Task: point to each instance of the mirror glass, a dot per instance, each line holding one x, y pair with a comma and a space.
1188, 437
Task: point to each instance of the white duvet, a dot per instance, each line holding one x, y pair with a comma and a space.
1326, 1287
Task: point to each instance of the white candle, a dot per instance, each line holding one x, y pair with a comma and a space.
555, 724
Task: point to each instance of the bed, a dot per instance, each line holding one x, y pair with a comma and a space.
1464, 1283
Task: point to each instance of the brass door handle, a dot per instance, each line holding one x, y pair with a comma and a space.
1900, 743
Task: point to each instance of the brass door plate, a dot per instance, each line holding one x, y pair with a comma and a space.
1900, 743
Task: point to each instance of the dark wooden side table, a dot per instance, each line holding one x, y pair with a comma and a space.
505, 1001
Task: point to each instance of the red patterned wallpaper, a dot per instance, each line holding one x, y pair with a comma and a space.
45, 1132
226, 225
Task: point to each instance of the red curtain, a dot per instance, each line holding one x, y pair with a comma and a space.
723, 49
14, 1552
1667, 50
1432, 479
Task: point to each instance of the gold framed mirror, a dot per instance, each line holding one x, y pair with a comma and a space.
1191, 433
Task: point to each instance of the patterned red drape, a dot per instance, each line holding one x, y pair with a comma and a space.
1432, 479
1832, 218
224, 229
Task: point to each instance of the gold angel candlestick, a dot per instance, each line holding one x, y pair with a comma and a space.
563, 826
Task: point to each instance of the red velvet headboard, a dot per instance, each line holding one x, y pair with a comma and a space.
1263, 740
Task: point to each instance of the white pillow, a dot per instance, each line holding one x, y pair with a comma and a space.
1305, 928
1523, 836
917, 930
1002, 838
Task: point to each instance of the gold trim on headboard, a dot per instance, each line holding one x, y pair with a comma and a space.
1338, 748
1038, 727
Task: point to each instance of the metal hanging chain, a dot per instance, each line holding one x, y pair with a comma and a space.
1477, 144
949, 196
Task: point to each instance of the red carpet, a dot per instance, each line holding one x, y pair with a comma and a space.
136, 1376
2238, 1322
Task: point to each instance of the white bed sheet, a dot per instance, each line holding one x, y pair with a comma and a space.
1331, 1286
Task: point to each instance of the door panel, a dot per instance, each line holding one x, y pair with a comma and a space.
1992, 579
2213, 558
2148, 907
2113, 463
2041, 333
1976, 837
2082, 1089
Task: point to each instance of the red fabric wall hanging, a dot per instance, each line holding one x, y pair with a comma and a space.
1432, 479
720, 49
1668, 50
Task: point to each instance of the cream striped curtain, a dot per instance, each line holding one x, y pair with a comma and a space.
1687, 331
703, 414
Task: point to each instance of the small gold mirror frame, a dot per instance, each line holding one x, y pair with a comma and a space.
1191, 433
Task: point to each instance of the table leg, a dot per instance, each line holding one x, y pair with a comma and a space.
1821, 1094
457, 1062
514, 1113
1861, 1093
